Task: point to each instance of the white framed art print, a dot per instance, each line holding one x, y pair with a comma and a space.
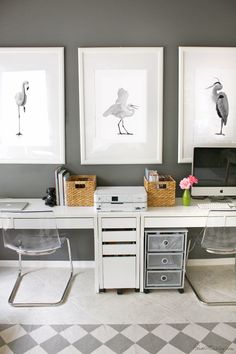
207, 105
120, 97
32, 105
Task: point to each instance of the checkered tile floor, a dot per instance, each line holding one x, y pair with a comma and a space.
172, 338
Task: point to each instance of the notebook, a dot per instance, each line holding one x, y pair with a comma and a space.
12, 206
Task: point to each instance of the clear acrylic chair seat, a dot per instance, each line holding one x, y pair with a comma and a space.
38, 238
219, 237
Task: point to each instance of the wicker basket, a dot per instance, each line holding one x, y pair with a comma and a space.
161, 193
80, 190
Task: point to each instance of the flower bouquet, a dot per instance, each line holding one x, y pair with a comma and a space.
185, 184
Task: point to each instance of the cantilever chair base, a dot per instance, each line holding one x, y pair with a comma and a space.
209, 303
40, 304
218, 238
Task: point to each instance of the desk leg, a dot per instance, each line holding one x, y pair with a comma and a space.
141, 254
96, 255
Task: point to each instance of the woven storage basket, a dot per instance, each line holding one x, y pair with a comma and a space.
161, 193
80, 190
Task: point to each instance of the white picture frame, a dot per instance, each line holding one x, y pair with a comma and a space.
32, 114
207, 105
131, 81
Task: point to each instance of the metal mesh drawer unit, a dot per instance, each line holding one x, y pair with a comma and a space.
118, 252
164, 259
164, 278
160, 241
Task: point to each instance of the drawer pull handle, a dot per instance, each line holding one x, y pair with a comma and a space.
164, 261
163, 278
165, 242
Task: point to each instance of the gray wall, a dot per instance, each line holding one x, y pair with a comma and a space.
75, 23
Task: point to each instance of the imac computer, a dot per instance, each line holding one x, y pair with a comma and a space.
215, 168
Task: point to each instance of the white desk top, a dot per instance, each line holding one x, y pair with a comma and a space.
178, 210
60, 211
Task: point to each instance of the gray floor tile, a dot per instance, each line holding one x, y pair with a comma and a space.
22, 344
119, 327
55, 344
2, 343
119, 343
4, 326
30, 328
60, 328
87, 344
208, 326
149, 327
151, 343
232, 324
217, 343
184, 343
89, 328
178, 326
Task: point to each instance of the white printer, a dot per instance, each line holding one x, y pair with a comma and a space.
120, 199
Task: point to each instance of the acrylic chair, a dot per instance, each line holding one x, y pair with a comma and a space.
219, 237
38, 238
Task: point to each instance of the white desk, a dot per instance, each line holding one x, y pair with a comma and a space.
87, 218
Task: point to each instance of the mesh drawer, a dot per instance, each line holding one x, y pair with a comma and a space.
164, 278
164, 261
164, 242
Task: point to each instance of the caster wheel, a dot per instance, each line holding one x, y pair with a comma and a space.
137, 290
146, 291
119, 291
102, 290
181, 291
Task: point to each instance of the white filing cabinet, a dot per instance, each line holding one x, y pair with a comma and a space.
164, 259
118, 264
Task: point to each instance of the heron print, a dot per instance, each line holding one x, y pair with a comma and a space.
21, 99
221, 103
121, 110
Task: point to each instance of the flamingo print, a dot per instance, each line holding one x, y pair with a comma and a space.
21, 99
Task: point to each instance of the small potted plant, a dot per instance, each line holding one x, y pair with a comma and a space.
185, 184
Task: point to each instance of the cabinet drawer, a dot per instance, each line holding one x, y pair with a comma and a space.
118, 223
119, 272
164, 260
164, 278
165, 242
62, 223
111, 236
119, 249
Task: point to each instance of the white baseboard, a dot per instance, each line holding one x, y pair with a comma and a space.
48, 264
210, 261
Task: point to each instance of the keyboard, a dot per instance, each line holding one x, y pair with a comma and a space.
214, 206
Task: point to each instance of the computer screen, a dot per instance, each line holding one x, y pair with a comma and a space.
215, 168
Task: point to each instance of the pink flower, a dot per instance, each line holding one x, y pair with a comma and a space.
187, 182
192, 179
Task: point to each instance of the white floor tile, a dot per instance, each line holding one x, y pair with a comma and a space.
12, 333
41, 334
5, 350
104, 333
73, 333
226, 331
169, 349
134, 333
84, 306
165, 332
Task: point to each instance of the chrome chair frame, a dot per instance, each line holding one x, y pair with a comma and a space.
201, 299
40, 304
20, 278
